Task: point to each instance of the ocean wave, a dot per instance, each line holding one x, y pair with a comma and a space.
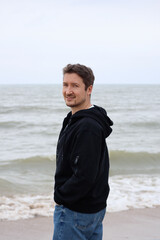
133, 191
25, 109
25, 206
28, 124
123, 162
120, 162
35, 174
11, 124
30, 162
37, 108
32, 175
146, 124
127, 192
9, 187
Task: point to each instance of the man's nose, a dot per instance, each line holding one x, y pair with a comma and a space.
69, 90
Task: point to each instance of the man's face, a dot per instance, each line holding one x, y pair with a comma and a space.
74, 92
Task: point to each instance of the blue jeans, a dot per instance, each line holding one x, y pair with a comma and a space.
70, 225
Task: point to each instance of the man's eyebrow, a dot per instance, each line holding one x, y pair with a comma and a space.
73, 83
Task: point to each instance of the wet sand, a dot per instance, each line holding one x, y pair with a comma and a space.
136, 224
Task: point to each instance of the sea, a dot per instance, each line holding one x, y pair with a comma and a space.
30, 120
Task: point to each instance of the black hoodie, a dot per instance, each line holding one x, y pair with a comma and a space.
81, 178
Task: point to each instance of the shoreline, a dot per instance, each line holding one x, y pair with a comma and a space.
139, 224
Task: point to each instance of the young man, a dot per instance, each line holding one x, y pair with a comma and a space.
81, 178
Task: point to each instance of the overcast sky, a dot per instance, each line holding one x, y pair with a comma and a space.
118, 39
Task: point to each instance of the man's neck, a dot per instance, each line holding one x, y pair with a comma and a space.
76, 109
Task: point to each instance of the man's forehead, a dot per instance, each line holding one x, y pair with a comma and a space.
72, 77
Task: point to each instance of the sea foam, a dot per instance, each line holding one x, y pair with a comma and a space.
135, 191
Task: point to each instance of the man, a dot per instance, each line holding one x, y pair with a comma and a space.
81, 178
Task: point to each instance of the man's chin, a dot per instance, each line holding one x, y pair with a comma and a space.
70, 104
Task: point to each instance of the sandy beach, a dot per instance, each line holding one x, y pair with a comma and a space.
136, 224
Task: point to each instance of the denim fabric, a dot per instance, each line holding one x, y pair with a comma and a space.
70, 225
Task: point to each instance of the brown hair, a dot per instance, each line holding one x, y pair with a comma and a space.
84, 72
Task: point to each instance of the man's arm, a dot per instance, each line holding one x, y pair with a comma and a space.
85, 159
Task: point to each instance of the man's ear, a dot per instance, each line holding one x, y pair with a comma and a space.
89, 90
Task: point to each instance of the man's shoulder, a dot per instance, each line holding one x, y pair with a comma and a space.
89, 123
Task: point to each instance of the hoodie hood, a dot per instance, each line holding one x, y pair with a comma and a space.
97, 113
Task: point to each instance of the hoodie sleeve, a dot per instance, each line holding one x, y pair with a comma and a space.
85, 160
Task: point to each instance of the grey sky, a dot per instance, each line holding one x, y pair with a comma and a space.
119, 40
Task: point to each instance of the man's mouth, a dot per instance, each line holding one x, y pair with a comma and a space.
69, 98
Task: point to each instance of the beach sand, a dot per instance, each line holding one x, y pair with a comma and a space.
135, 224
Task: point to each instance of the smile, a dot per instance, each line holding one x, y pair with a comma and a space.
69, 98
